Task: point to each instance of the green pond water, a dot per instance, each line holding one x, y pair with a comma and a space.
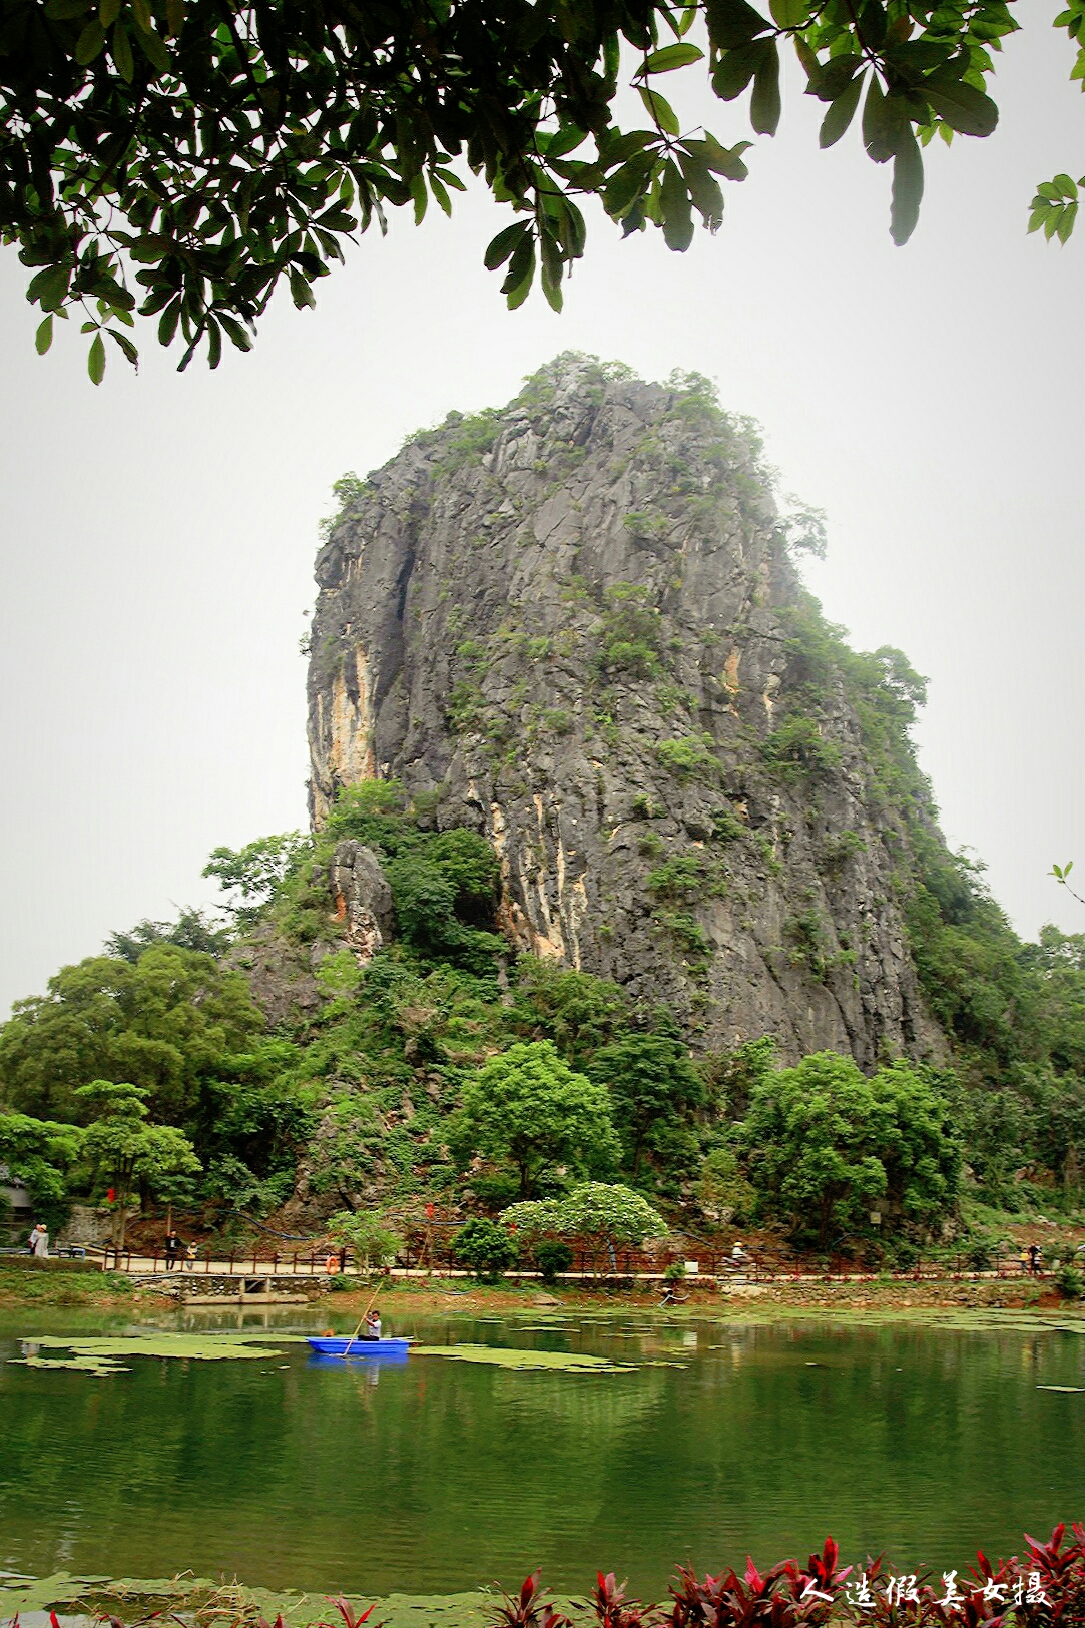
431, 1476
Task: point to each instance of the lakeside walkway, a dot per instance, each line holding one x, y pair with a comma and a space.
312, 1265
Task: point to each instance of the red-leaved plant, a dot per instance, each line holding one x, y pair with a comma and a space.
529, 1609
1045, 1589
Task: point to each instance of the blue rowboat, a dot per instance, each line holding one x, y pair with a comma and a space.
337, 1345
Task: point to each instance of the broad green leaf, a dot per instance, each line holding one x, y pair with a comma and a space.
154, 50
420, 196
500, 247
671, 57
300, 290
789, 13
628, 183
122, 53
1066, 223
60, 11
149, 248
832, 80
214, 343
735, 69
840, 114
516, 296
563, 141
141, 11
907, 188
765, 101
962, 106
49, 288
1066, 186
235, 332
732, 23
129, 350
44, 336
96, 360
726, 161
677, 215
660, 110
90, 42
440, 192
521, 266
108, 12
167, 322
175, 16
704, 189
884, 122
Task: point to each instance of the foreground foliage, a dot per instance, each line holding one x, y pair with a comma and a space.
183, 161
1046, 1587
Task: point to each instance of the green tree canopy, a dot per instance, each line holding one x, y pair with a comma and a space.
181, 161
528, 1108
602, 1213
40, 1152
824, 1147
127, 1152
372, 1237
165, 1022
252, 876
652, 1083
485, 1248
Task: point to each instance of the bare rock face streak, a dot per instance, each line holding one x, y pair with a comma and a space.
570, 626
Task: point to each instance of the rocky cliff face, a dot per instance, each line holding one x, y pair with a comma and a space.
573, 625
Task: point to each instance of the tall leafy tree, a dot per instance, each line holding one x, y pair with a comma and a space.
652, 1083
40, 1153
824, 1147
129, 1153
528, 1108
182, 159
165, 1022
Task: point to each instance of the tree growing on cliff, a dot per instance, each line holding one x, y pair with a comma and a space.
825, 1149
182, 162
528, 1108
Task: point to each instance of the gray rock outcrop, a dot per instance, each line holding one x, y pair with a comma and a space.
573, 625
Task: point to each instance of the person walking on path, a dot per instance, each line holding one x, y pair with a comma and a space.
1034, 1253
173, 1245
32, 1241
41, 1242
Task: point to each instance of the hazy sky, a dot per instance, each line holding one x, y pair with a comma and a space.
159, 531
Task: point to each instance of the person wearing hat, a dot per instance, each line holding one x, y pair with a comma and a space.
41, 1242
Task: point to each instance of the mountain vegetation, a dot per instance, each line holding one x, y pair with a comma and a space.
274, 1062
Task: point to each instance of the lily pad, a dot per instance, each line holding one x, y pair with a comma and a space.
95, 1354
579, 1362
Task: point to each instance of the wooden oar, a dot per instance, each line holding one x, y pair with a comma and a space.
364, 1315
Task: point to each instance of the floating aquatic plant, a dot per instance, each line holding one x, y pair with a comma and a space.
581, 1362
96, 1354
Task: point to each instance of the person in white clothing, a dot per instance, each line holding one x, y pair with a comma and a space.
41, 1242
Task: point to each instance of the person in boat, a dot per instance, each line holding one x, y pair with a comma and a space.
372, 1325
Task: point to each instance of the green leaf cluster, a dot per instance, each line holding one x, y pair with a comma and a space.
180, 164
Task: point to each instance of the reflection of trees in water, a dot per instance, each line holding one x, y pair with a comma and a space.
314, 1478
599, 1404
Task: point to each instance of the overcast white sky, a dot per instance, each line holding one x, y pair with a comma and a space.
159, 532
